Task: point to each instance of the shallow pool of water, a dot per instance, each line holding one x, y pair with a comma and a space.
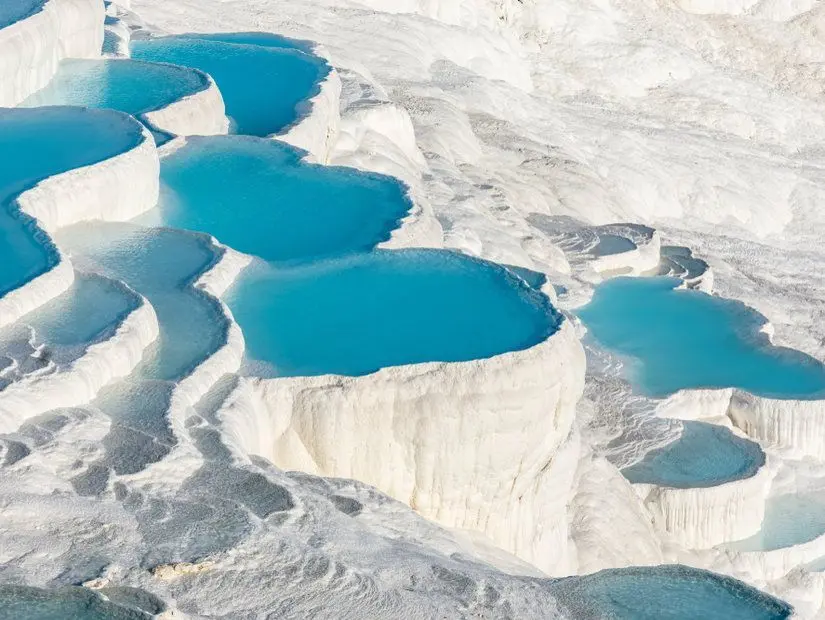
354, 315
704, 455
93, 307
790, 519
676, 339
256, 196
131, 86
70, 603
671, 592
35, 144
263, 85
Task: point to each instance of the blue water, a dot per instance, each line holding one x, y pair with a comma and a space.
671, 592
92, 307
354, 315
704, 455
612, 244
131, 86
12, 11
686, 339
790, 519
71, 603
263, 85
256, 196
161, 264
35, 144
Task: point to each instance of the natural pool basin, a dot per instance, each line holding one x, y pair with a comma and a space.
263, 84
354, 315
131, 86
70, 603
704, 455
91, 308
671, 592
256, 196
35, 144
680, 339
790, 519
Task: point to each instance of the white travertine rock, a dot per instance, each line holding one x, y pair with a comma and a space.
100, 364
466, 444
32, 48
700, 518
116, 189
199, 114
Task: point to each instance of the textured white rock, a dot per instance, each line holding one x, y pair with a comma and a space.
199, 114
316, 130
700, 518
794, 425
509, 415
31, 49
116, 189
100, 364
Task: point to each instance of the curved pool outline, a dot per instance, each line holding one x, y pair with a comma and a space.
287, 117
319, 211
300, 359
15, 216
649, 366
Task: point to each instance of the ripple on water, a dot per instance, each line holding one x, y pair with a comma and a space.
131, 86
35, 144
680, 339
263, 83
671, 592
357, 314
704, 455
256, 196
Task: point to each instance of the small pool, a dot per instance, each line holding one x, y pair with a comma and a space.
256, 196
69, 603
161, 264
677, 339
704, 455
354, 315
35, 144
790, 519
671, 592
93, 307
612, 244
262, 83
131, 86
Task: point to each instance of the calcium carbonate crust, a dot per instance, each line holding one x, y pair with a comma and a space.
32, 48
116, 189
510, 413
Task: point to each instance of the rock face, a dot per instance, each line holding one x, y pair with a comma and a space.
31, 49
469, 444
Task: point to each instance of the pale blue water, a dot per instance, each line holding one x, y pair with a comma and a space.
257, 197
14, 10
354, 315
70, 603
670, 592
35, 144
790, 519
93, 307
704, 455
686, 339
263, 85
131, 86
160, 264
612, 244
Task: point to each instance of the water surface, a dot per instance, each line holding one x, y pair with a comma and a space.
678, 339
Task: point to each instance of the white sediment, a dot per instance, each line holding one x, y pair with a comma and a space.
32, 48
200, 114
116, 189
